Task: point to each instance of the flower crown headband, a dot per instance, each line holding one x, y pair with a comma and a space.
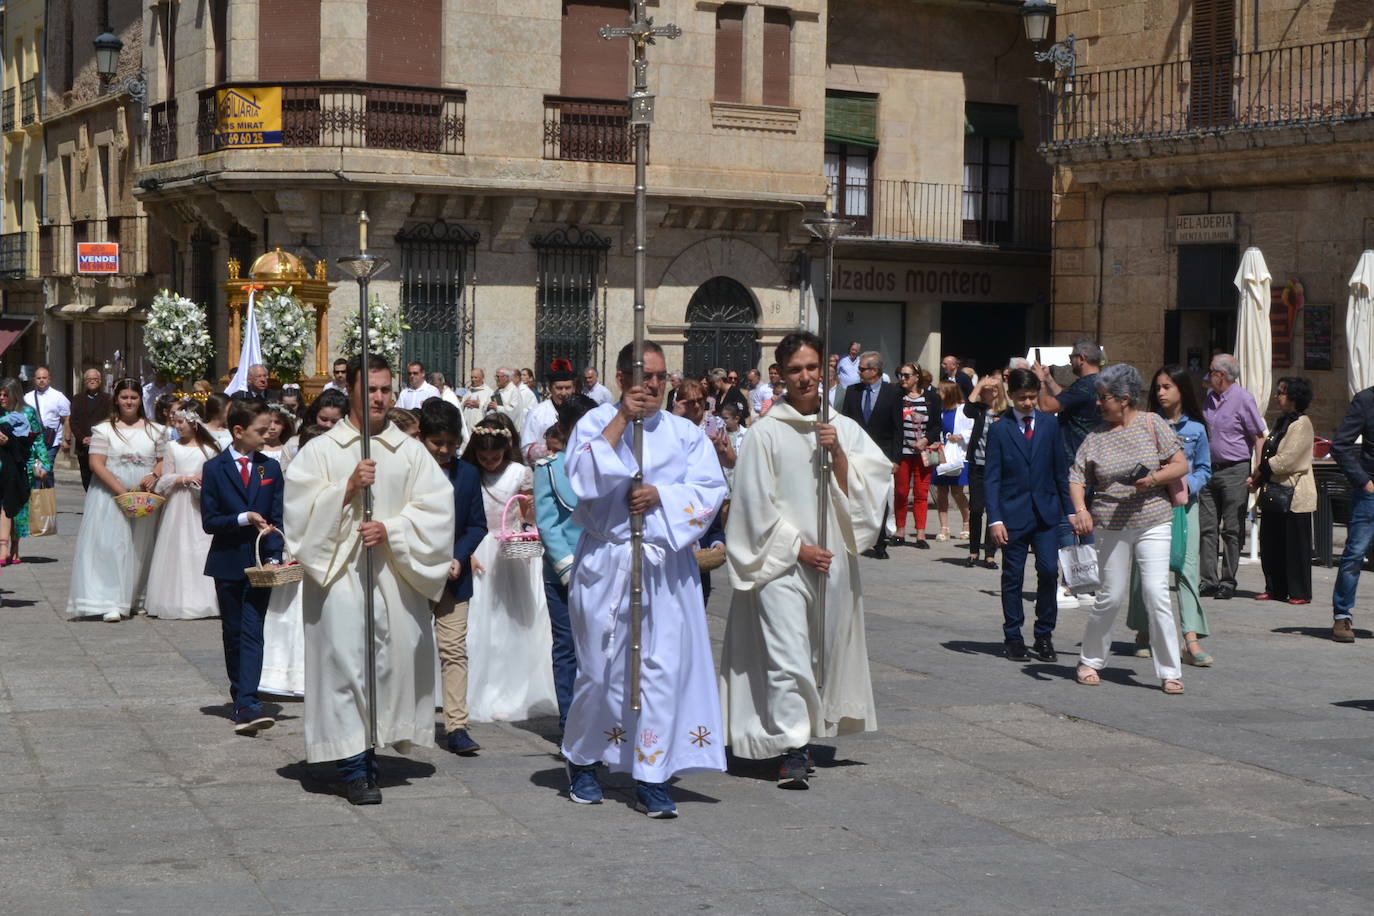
188, 416
480, 430
282, 409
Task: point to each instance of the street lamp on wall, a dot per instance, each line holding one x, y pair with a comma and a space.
1037, 15
107, 48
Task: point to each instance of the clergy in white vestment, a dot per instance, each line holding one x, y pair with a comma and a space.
677, 728
562, 383
771, 701
476, 399
508, 399
412, 539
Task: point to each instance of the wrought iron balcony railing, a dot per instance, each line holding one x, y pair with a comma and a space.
7, 118
946, 214
29, 91
348, 114
1325, 82
162, 137
587, 130
15, 248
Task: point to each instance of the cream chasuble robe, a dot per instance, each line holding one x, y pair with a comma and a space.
414, 499
768, 660
677, 729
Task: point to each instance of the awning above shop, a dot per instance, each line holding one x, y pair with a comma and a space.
12, 327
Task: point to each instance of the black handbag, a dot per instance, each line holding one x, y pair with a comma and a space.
1275, 497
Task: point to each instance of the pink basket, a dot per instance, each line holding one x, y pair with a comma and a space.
519, 545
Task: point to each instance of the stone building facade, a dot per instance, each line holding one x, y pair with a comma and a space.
1191, 131
490, 147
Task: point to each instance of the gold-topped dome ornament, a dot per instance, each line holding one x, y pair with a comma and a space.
282, 269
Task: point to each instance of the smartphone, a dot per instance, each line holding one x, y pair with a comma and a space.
1138, 472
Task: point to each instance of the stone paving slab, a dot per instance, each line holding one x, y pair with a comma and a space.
989, 788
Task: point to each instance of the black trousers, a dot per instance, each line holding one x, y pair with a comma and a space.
978, 537
1286, 554
83, 460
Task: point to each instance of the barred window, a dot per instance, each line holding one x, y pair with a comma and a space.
570, 312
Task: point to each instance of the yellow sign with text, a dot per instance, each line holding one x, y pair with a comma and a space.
248, 117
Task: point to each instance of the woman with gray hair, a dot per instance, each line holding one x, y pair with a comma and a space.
1128, 463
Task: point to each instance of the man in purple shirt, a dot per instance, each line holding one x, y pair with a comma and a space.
1235, 431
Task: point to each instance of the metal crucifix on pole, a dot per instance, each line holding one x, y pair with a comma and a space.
642, 31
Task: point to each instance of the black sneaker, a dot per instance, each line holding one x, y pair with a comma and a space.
922, 544
1207, 591
792, 774
1044, 649
362, 791
1016, 651
1225, 592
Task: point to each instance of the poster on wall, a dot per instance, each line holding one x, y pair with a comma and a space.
1316, 335
1285, 302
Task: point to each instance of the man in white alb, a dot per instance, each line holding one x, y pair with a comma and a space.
771, 686
476, 398
677, 727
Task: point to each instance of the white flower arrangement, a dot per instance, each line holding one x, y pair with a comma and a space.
176, 337
285, 330
385, 328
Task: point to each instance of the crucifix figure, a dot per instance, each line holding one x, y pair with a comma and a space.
642, 31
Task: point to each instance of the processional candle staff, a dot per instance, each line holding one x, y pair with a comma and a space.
827, 228
642, 31
363, 267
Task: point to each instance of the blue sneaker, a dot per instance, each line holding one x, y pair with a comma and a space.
460, 742
583, 786
652, 798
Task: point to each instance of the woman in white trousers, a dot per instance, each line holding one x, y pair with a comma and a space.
1128, 463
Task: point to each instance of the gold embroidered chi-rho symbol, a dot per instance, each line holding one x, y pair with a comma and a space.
615, 736
701, 737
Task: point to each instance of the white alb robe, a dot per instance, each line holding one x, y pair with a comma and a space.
677, 728
473, 415
414, 500
513, 405
768, 660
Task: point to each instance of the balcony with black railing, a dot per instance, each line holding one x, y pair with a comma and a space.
162, 135
7, 113
28, 90
587, 130
946, 214
345, 114
14, 255
1325, 82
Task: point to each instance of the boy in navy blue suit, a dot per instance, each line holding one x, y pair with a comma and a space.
1026, 482
241, 496
441, 431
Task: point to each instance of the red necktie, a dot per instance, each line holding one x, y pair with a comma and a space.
1029, 434
243, 470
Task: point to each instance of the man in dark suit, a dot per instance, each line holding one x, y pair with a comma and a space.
90, 407
1026, 485
240, 498
441, 432
258, 390
876, 405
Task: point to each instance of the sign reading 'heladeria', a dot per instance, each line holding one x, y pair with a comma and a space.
1203, 228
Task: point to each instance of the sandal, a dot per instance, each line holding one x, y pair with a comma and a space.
1172, 686
989, 563
943, 535
964, 535
1195, 657
1142, 646
1087, 676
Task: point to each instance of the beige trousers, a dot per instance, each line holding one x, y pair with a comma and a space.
451, 634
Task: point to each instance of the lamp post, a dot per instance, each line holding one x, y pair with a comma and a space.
107, 48
363, 267
642, 31
1036, 16
827, 228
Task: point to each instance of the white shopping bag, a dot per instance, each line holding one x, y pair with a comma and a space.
1078, 566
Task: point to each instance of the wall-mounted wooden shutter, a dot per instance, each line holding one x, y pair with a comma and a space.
219, 29
777, 57
404, 41
730, 53
851, 117
288, 40
1212, 52
594, 68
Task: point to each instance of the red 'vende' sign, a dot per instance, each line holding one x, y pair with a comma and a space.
97, 257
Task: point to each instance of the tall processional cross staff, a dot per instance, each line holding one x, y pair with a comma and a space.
364, 267
641, 30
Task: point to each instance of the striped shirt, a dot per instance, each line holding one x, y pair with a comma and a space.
1105, 462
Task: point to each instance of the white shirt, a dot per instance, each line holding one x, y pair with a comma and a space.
762, 392
51, 406
334, 386
151, 392
599, 393
847, 369
412, 398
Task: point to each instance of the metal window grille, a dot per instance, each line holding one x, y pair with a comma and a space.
569, 321
438, 260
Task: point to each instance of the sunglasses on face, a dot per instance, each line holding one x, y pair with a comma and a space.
905, 375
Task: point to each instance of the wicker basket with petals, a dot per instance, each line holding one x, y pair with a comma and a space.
139, 503
272, 575
519, 545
